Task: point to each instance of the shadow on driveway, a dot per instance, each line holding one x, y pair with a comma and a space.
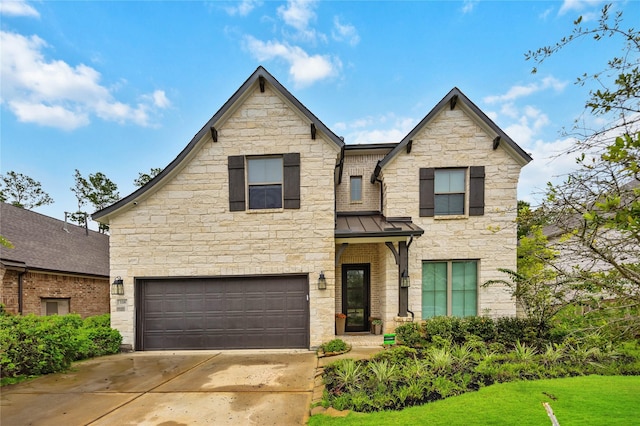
170, 388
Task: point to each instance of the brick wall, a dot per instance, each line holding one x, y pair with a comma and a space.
87, 296
359, 165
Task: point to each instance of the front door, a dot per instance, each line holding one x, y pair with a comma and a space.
355, 296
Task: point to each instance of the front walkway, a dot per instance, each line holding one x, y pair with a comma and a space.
366, 340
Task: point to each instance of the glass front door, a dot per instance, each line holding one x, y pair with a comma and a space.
355, 296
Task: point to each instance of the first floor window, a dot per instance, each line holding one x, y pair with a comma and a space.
449, 288
54, 306
264, 176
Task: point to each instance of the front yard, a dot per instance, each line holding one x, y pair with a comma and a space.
498, 366
586, 400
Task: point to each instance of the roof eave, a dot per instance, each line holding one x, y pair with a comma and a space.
254, 79
523, 159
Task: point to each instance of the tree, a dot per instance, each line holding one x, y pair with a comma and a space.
528, 218
539, 293
597, 208
98, 191
144, 178
23, 191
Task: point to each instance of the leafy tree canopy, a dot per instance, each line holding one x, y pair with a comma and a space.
144, 178
97, 190
597, 207
23, 191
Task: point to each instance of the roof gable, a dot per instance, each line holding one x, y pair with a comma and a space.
44, 243
260, 77
456, 99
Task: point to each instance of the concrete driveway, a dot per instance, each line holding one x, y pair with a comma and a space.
169, 388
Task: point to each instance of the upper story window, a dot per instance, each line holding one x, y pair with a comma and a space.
452, 191
449, 191
355, 186
264, 177
267, 182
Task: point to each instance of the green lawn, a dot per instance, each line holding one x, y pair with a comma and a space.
590, 400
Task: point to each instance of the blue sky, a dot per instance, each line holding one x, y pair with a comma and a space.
121, 87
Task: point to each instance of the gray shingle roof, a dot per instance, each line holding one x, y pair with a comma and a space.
42, 243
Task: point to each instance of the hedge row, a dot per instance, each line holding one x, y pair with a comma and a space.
506, 330
32, 345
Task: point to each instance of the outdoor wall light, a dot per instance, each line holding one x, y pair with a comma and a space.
405, 281
322, 281
117, 287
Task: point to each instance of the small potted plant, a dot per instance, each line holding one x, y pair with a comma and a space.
377, 326
341, 320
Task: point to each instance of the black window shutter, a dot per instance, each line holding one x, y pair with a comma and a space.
476, 191
427, 199
291, 163
236, 183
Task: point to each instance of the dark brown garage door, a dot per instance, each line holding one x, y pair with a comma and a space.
223, 313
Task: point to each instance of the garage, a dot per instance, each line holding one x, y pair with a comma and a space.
256, 312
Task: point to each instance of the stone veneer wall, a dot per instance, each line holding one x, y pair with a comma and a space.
359, 165
185, 227
453, 139
87, 296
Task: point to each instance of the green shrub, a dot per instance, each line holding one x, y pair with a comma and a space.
483, 327
410, 334
335, 345
396, 355
32, 345
447, 328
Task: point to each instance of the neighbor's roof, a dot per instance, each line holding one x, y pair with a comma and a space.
47, 244
259, 76
456, 98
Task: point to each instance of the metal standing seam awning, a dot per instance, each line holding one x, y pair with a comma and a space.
373, 227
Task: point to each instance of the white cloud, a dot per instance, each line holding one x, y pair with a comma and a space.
549, 165
469, 5
56, 94
530, 123
243, 8
160, 99
519, 91
303, 68
345, 32
390, 128
50, 116
298, 13
17, 8
577, 5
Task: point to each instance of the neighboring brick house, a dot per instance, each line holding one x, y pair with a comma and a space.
54, 267
225, 248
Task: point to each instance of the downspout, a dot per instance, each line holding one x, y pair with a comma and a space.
339, 167
375, 178
20, 285
413, 317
